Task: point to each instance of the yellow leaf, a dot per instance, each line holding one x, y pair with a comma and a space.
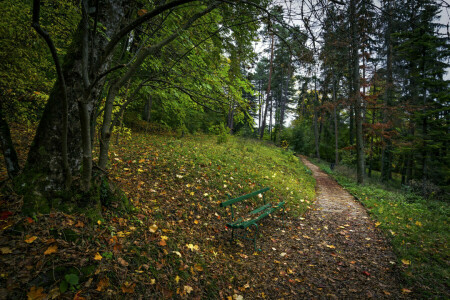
406, 262
98, 256
99, 222
188, 289
177, 279
30, 239
418, 223
5, 250
331, 246
52, 249
153, 228
196, 222
377, 224
35, 293
164, 237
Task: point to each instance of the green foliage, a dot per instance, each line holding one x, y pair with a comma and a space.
221, 132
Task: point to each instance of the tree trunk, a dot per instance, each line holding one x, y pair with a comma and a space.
336, 129
148, 108
8, 150
387, 150
356, 95
316, 126
45, 156
261, 134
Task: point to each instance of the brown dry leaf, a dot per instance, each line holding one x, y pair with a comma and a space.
198, 268
35, 293
79, 224
128, 287
30, 239
103, 283
78, 297
122, 262
406, 291
52, 249
98, 256
5, 250
162, 243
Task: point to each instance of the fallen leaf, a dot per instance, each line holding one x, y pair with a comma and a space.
30, 239
98, 256
377, 224
79, 224
198, 268
5, 250
406, 262
103, 283
78, 297
35, 293
188, 289
153, 228
238, 297
406, 291
331, 246
283, 254
162, 243
177, 279
128, 287
366, 273
177, 253
122, 262
418, 223
52, 249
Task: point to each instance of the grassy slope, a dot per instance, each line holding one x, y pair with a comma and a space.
418, 230
173, 243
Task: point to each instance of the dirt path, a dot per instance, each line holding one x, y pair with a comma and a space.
360, 262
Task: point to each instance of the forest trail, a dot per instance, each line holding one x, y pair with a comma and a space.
362, 264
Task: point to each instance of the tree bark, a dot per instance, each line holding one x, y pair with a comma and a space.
46, 155
148, 108
336, 129
356, 94
316, 121
8, 150
261, 134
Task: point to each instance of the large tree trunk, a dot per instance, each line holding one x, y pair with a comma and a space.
45, 162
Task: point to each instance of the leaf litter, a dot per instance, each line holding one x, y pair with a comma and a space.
174, 244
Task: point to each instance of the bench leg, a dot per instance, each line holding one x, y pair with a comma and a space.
254, 237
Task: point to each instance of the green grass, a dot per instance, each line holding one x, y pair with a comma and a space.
199, 165
417, 228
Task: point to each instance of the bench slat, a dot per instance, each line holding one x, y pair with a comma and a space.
261, 208
231, 201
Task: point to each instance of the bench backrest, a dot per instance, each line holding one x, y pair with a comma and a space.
243, 197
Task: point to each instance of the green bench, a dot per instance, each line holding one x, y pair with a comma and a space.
253, 217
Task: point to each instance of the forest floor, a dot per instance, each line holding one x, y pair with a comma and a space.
174, 243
